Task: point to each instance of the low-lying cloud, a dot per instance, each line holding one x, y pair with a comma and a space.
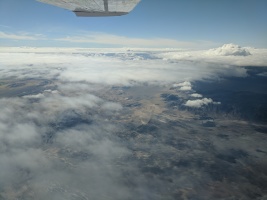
120, 67
198, 103
54, 145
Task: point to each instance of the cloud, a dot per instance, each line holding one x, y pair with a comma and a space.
185, 83
20, 139
262, 74
198, 103
4, 26
218, 56
63, 136
111, 106
34, 96
102, 39
115, 70
196, 95
184, 86
54, 145
230, 50
118, 66
109, 39
20, 36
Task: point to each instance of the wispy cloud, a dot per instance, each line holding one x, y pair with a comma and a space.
109, 39
20, 36
104, 39
4, 26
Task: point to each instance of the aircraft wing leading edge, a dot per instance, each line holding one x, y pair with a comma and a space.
93, 8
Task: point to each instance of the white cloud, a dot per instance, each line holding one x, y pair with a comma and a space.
230, 50
184, 86
196, 95
35, 96
198, 102
98, 66
185, 83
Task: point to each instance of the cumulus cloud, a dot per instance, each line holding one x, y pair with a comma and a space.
184, 86
230, 50
198, 103
196, 95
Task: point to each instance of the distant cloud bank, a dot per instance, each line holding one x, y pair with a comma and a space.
126, 66
228, 54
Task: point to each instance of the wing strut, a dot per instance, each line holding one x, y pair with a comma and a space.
106, 5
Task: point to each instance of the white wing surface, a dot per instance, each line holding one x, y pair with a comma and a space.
93, 8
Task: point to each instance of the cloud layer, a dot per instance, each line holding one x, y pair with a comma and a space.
122, 66
54, 143
61, 136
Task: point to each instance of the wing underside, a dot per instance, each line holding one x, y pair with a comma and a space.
95, 7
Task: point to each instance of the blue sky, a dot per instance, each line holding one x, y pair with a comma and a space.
153, 23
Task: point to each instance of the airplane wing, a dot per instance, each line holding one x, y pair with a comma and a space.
95, 8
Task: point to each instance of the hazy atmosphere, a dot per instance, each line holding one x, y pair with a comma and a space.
190, 24
143, 106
